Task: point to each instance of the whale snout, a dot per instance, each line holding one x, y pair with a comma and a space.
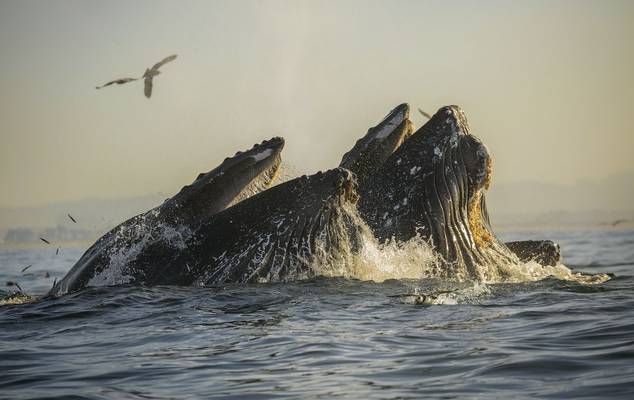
477, 161
276, 143
268, 149
450, 120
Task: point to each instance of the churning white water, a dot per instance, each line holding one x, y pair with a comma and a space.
361, 256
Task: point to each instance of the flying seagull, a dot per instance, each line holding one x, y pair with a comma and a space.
118, 82
152, 72
424, 114
149, 74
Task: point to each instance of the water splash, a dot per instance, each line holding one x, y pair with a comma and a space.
469, 293
131, 240
361, 256
532, 271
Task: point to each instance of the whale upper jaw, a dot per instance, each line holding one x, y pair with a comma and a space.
237, 178
393, 119
241, 175
272, 236
376, 146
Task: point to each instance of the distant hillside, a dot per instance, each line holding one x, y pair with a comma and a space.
93, 216
613, 193
584, 203
512, 205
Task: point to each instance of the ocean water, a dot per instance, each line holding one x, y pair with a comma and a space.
326, 338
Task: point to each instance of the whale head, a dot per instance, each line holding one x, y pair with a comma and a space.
434, 186
371, 151
235, 179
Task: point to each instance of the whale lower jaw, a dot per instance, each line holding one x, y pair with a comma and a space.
277, 235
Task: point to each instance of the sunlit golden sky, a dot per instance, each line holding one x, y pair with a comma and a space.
547, 85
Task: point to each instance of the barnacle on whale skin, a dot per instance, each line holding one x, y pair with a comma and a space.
481, 234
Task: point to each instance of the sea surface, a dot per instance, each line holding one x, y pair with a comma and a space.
326, 338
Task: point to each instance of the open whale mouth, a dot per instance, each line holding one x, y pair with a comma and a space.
276, 235
465, 165
378, 144
433, 186
461, 174
256, 169
395, 117
259, 159
478, 166
237, 178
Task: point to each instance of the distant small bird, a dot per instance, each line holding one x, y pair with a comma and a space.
45, 241
16, 284
118, 82
42, 274
19, 287
57, 251
618, 221
424, 114
71, 218
27, 267
154, 71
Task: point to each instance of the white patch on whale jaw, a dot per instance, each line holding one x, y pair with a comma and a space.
389, 126
263, 181
262, 155
131, 241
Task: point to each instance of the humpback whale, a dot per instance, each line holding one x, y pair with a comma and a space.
372, 150
231, 226
280, 234
433, 186
544, 252
276, 235
171, 223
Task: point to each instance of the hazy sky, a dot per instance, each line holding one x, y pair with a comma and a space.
547, 85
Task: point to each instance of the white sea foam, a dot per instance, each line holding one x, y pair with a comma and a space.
361, 256
132, 240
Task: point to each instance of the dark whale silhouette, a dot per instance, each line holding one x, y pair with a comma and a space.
371, 151
280, 234
173, 222
429, 184
544, 252
433, 186
276, 235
